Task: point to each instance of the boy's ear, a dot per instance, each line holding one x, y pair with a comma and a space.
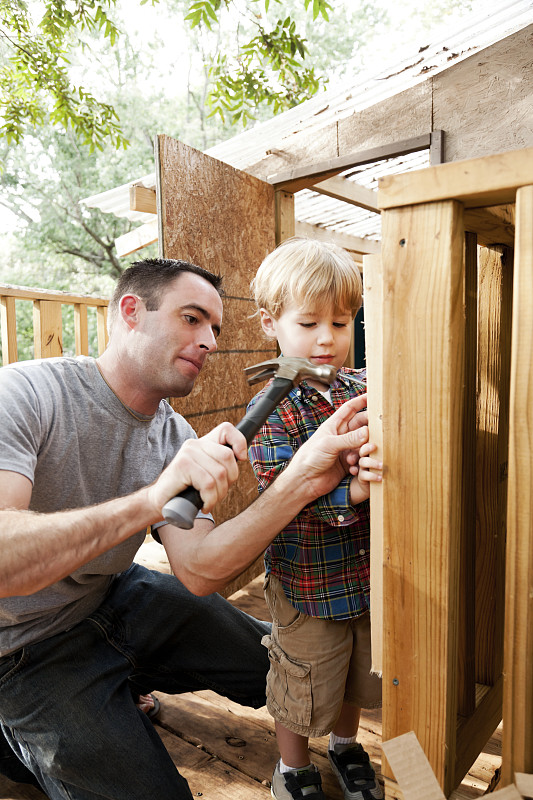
268, 323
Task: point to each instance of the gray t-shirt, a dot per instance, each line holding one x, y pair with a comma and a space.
63, 428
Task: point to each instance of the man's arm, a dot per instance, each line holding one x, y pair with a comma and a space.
205, 559
40, 549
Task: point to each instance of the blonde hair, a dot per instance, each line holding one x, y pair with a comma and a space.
307, 272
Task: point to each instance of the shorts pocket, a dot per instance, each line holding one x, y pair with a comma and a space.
288, 686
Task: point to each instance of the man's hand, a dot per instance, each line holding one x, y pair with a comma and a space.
323, 460
207, 463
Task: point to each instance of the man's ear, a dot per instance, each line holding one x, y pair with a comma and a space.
268, 323
130, 308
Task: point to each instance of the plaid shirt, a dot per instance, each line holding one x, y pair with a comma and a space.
322, 557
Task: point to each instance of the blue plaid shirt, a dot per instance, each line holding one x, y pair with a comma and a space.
322, 557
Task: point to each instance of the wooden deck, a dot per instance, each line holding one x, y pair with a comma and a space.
227, 752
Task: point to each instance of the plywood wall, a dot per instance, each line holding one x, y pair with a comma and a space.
223, 220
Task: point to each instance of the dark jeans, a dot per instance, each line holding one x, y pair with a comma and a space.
66, 707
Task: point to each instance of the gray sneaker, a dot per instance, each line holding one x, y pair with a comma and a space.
297, 784
357, 778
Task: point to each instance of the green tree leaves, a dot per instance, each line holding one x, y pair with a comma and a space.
35, 84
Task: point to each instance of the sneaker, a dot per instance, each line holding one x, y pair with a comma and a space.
297, 784
357, 778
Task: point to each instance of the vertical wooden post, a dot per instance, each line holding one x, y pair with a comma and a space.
373, 293
81, 332
494, 356
466, 686
284, 215
423, 375
47, 328
101, 328
9, 330
518, 659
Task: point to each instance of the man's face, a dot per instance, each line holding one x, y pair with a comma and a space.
172, 342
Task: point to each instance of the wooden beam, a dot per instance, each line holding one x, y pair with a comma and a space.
476, 183
423, 356
478, 727
305, 177
137, 238
492, 225
143, 199
373, 300
284, 215
349, 192
9, 330
353, 243
517, 755
47, 329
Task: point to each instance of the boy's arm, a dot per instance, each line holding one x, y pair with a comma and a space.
270, 453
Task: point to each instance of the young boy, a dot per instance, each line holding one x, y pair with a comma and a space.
317, 569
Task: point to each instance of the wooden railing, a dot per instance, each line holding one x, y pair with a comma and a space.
48, 321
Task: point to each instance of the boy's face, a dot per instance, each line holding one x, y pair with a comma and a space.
321, 335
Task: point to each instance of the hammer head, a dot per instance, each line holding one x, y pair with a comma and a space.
294, 369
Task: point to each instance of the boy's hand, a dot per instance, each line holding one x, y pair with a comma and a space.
360, 467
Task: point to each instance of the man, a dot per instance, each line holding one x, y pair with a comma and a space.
89, 454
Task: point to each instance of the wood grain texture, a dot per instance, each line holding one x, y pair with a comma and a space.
423, 354
373, 299
518, 644
222, 219
494, 356
478, 182
484, 102
8, 322
47, 329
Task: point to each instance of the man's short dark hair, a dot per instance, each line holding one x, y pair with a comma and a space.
149, 278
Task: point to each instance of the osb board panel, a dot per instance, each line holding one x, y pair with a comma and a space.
214, 215
484, 103
222, 386
222, 219
407, 115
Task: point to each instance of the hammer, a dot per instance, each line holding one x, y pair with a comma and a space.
287, 372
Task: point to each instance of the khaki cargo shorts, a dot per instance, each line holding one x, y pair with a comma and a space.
316, 665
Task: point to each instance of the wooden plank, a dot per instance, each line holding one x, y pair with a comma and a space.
284, 216
479, 182
137, 238
81, 329
518, 646
473, 732
494, 225
306, 177
24, 293
373, 302
354, 244
412, 769
466, 679
423, 352
208, 776
143, 199
8, 322
494, 357
102, 335
47, 329
238, 211
350, 192
18, 791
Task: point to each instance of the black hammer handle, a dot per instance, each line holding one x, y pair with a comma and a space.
182, 509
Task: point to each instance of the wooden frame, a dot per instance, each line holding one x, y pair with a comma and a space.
430, 352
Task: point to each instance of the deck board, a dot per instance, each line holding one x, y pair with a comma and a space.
227, 751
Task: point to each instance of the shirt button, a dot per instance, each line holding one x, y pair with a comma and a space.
362, 552
314, 397
340, 518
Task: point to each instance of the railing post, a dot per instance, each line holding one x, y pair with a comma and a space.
47, 328
81, 330
9, 330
